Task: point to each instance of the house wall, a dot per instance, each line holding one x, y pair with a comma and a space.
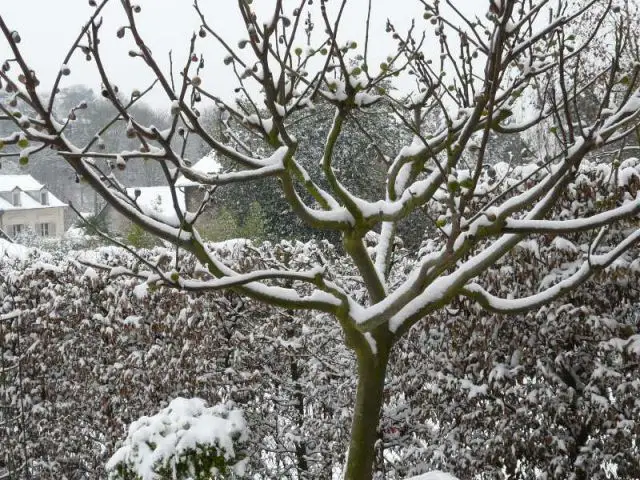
194, 194
117, 224
33, 217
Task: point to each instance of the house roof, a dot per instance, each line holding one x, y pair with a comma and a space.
26, 185
158, 203
23, 182
207, 164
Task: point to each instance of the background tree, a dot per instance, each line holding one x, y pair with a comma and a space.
375, 134
470, 90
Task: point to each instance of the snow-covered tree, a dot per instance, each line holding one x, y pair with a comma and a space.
471, 75
352, 154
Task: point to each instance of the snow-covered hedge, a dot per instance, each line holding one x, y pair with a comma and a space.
96, 352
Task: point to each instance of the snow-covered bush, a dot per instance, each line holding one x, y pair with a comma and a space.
549, 392
185, 441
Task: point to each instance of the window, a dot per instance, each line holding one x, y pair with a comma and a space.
17, 229
44, 197
46, 229
16, 198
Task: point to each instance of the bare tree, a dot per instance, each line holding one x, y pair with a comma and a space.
484, 70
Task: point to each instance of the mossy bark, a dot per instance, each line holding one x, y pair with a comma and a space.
372, 368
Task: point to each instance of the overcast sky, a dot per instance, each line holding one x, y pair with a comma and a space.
48, 27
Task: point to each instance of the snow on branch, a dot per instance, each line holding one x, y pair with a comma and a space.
435, 475
592, 265
628, 210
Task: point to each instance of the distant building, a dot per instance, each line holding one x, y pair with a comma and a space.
27, 206
194, 192
158, 203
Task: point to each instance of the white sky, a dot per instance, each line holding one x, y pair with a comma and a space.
48, 27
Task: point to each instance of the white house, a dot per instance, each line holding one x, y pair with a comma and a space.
193, 191
26, 205
157, 202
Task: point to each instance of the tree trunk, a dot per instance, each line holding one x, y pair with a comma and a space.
366, 414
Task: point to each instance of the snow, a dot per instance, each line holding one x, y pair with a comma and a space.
474, 390
628, 209
584, 272
165, 439
339, 92
132, 321
434, 475
76, 233
384, 243
265, 123
157, 202
280, 109
207, 165
372, 342
25, 202
434, 292
316, 299
363, 99
13, 251
25, 183
530, 245
627, 175
389, 209
564, 245
141, 291
630, 345
91, 274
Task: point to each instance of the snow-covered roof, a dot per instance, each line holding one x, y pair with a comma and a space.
23, 182
28, 189
157, 202
207, 164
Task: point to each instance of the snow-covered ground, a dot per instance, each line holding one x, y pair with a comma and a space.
435, 475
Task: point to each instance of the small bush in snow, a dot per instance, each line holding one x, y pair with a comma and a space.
186, 440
